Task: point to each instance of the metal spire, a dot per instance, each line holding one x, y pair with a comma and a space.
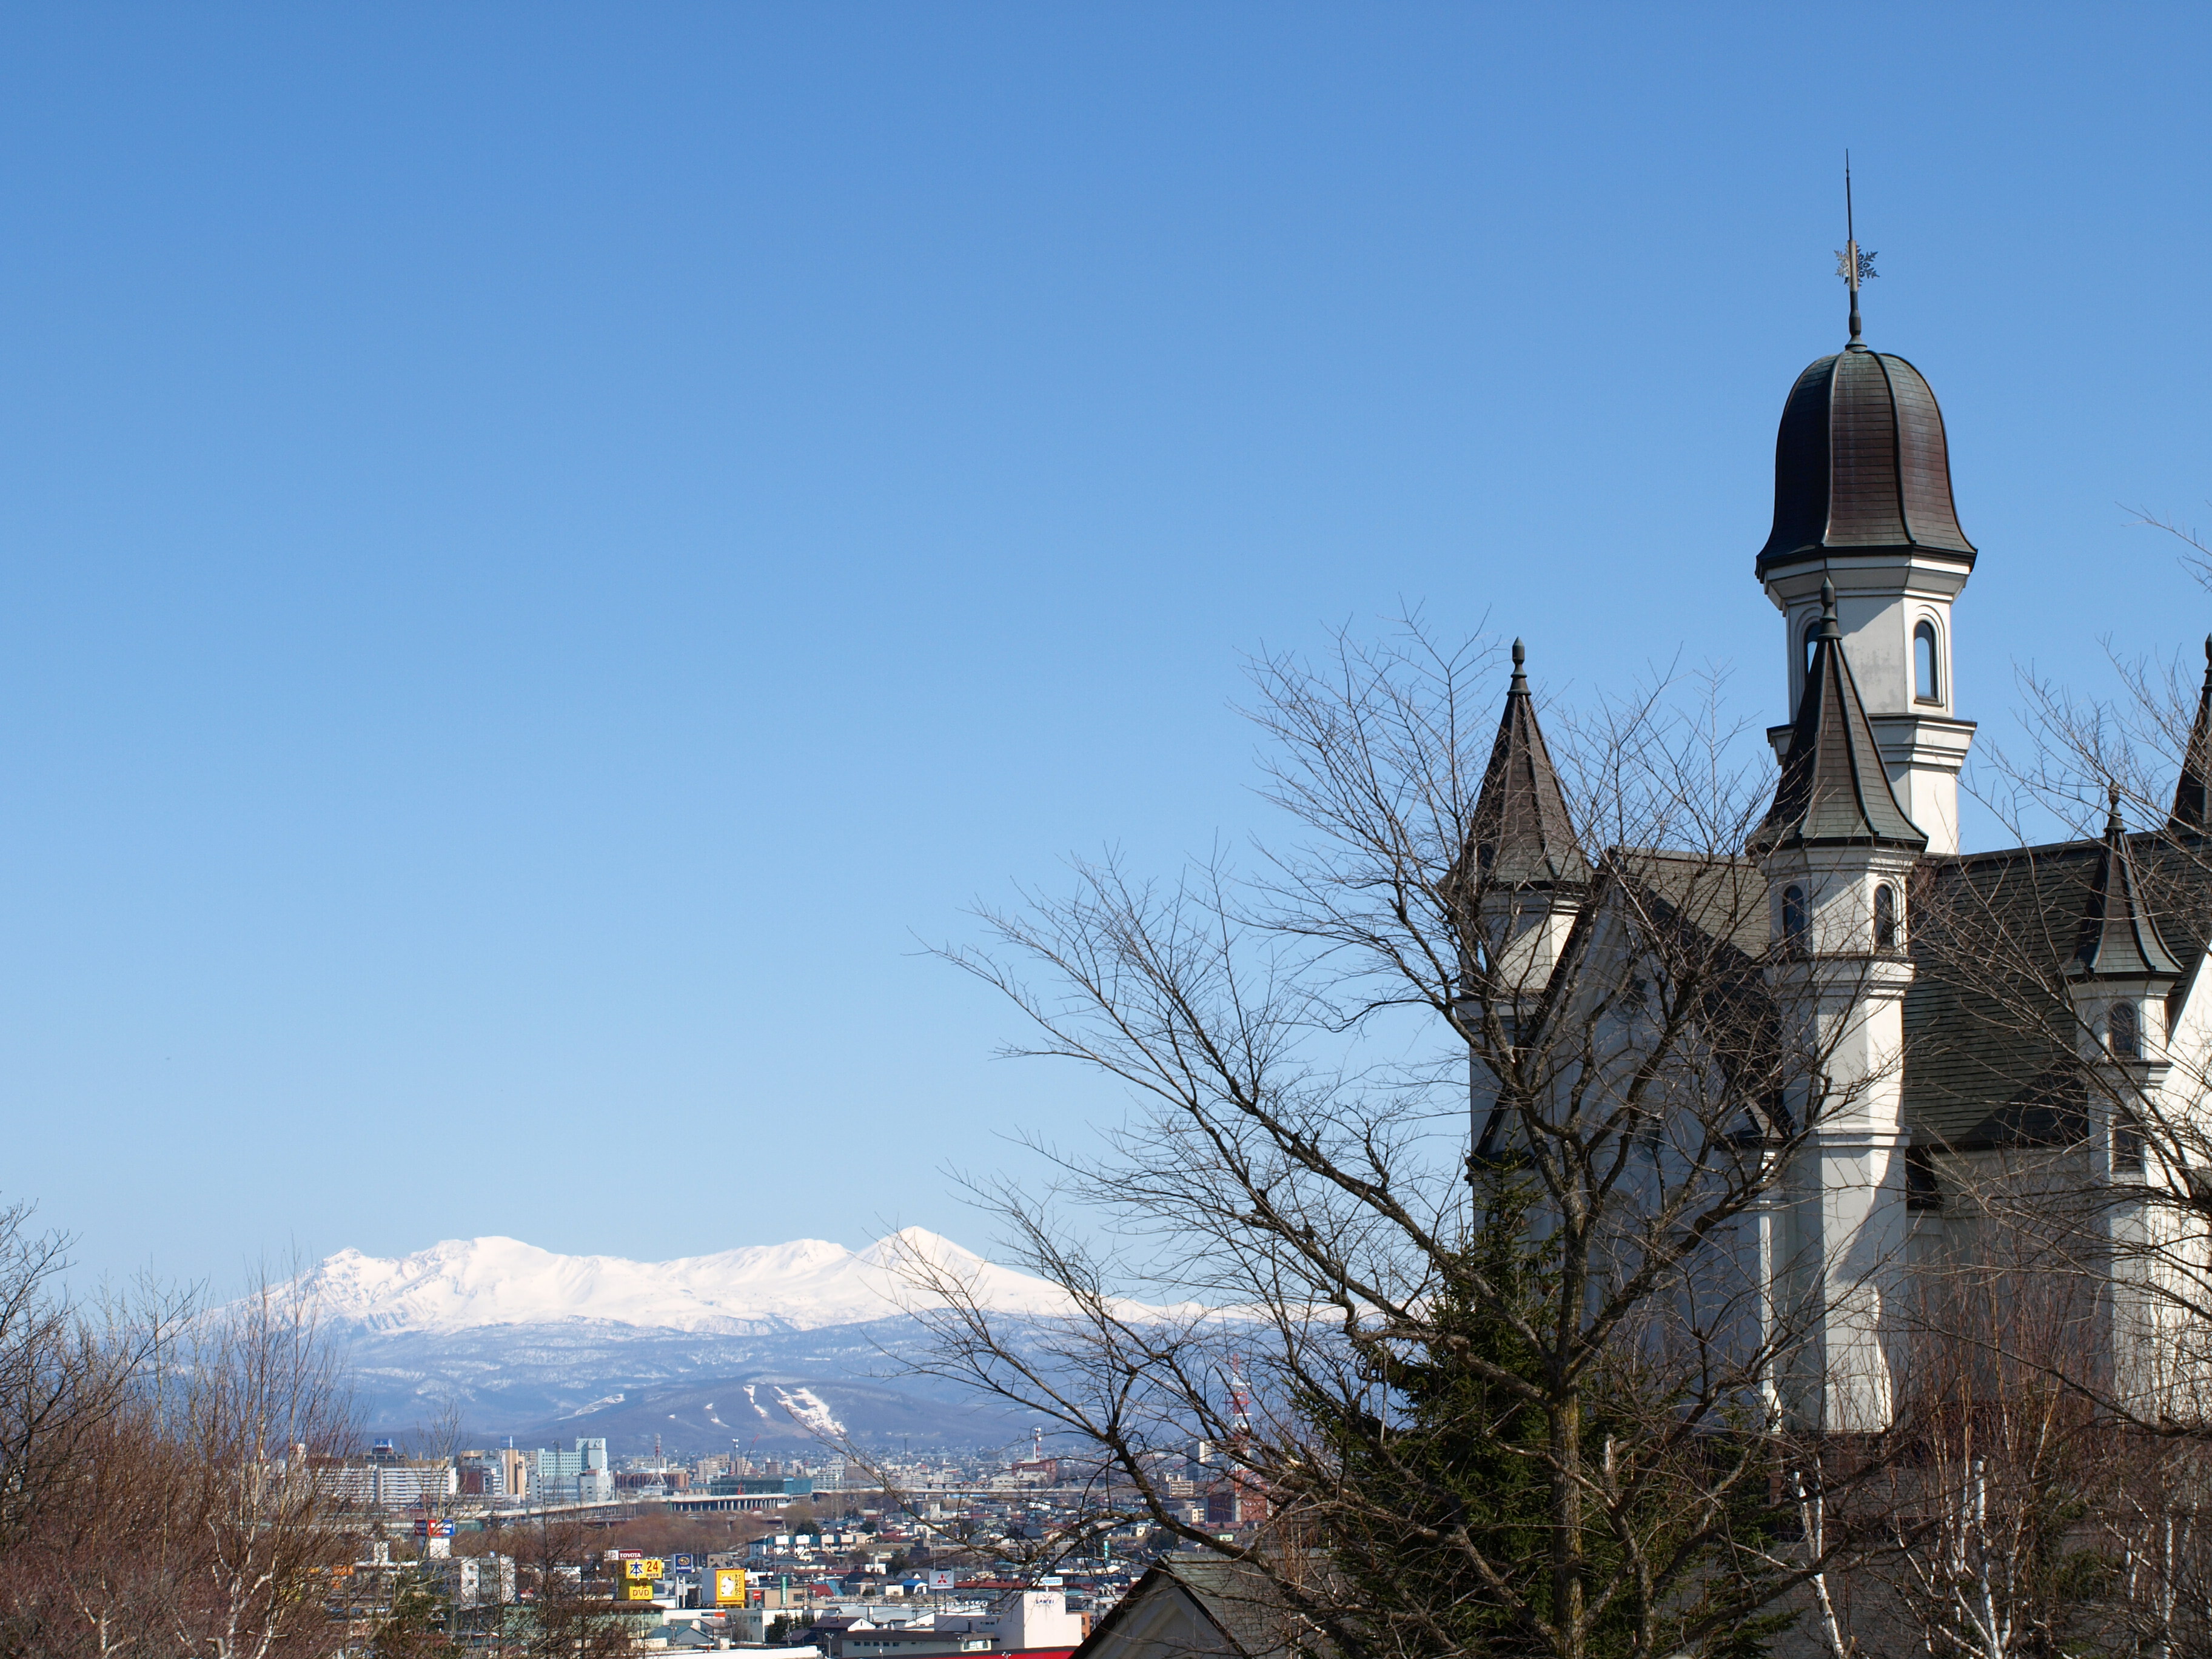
1853, 266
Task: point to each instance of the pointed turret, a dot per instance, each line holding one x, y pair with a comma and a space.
1520, 835
1522, 870
1834, 792
2119, 940
2192, 812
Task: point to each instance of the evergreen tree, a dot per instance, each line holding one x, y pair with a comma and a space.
1451, 1540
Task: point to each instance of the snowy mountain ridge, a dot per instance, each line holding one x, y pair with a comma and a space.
809, 1284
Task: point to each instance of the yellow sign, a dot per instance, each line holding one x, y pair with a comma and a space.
635, 1593
728, 1589
649, 1567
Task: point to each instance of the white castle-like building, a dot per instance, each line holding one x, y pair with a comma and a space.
2090, 990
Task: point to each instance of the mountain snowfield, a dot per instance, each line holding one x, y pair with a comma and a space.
809, 1284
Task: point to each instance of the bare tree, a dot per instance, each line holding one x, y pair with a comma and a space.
2000, 1551
2064, 1369
163, 1463
2072, 1009
86, 1479
565, 1611
261, 1398
1505, 1372
67, 1371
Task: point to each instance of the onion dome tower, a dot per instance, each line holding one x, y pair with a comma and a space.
1862, 499
1865, 558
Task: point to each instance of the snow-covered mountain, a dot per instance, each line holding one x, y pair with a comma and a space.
771, 1345
468, 1284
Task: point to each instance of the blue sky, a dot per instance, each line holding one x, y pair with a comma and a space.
542, 548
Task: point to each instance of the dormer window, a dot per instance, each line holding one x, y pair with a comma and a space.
1926, 664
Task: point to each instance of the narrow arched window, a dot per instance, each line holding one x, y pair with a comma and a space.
1924, 684
1793, 918
1884, 917
2126, 1033
2127, 1142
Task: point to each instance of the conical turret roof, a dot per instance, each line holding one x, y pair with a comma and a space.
2192, 810
2119, 938
1520, 835
1833, 792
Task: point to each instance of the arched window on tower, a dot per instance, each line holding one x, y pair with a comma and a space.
2125, 1034
1925, 688
1793, 920
1884, 917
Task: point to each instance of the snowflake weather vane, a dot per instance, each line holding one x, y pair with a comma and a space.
1853, 266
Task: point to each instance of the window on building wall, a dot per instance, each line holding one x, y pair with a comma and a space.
2127, 1142
1793, 918
2125, 1033
1924, 1189
1924, 663
1884, 917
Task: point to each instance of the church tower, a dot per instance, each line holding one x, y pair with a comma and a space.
1837, 850
1862, 500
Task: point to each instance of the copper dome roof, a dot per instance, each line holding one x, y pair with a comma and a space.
1861, 465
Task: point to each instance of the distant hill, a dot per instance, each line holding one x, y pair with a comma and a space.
748, 1345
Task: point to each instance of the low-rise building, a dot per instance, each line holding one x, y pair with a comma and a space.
478, 1581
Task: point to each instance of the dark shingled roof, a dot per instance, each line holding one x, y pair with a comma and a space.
2191, 813
1989, 1052
1247, 1610
1520, 835
1989, 1059
1834, 792
1860, 465
1724, 898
